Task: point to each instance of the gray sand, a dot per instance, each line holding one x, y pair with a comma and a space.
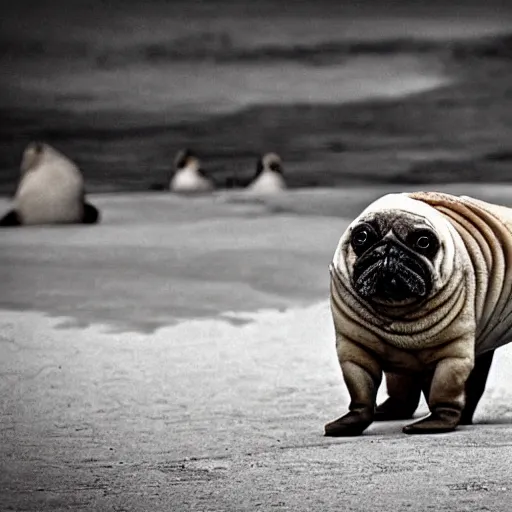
180, 356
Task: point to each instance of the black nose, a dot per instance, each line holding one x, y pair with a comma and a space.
381, 250
386, 250
391, 272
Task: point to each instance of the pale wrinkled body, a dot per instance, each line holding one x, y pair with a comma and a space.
189, 179
267, 182
486, 230
50, 191
436, 340
475, 295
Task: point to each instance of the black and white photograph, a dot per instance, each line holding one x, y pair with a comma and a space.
255, 255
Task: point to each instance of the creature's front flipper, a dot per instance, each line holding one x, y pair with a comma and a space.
10, 219
91, 214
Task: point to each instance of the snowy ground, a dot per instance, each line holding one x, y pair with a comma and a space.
179, 356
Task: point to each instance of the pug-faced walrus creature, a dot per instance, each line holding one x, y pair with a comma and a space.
268, 178
50, 191
421, 288
189, 176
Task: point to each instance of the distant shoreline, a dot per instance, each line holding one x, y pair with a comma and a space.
460, 131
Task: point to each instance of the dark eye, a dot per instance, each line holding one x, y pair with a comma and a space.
424, 242
362, 237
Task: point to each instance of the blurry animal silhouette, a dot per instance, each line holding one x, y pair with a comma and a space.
50, 191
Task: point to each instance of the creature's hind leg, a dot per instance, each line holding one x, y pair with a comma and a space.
475, 386
91, 214
10, 219
404, 395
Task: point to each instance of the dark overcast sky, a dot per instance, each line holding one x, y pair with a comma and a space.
26, 17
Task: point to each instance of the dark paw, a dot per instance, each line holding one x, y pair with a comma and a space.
391, 410
435, 423
349, 425
91, 214
10, 219
466, 420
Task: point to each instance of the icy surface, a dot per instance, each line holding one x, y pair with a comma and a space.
182, 352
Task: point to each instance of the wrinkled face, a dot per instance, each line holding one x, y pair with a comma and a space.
394, 254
